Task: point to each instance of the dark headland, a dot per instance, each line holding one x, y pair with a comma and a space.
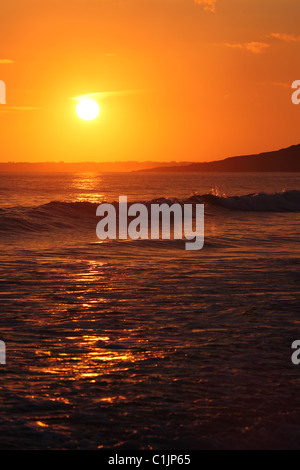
287, 160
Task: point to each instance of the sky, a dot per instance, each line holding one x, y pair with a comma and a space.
198, 80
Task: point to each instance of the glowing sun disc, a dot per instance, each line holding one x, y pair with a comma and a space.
87, 109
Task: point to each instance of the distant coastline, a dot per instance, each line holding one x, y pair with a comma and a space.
283, 160
81, 167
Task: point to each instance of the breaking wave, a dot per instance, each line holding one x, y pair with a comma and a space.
59, 215
284, 201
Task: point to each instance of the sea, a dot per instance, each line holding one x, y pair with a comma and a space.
141, 344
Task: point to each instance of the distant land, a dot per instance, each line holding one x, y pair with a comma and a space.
287, 160
81, 167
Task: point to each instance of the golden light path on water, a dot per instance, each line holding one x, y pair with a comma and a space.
87, 187
91, 356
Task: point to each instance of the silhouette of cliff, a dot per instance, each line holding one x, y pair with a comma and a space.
287, 160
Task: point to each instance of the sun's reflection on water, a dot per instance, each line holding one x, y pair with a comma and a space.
90, 346
86, 187
89, 357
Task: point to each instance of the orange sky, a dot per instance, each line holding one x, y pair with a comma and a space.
215, 78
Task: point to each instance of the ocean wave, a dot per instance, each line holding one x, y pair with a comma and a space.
59, 215
284, 201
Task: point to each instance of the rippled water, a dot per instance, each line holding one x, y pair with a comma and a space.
141, 344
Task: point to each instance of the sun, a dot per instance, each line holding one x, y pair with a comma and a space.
87, 109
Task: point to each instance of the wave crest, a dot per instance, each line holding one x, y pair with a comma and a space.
284, 201
69, 215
